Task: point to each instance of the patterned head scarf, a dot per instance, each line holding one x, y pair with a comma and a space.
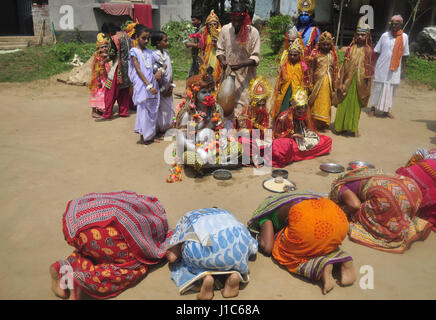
240, 9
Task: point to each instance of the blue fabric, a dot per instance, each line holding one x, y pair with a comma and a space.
214, 240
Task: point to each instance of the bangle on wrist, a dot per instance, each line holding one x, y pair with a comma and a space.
149, 87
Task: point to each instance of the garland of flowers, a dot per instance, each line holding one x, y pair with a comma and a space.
176, 170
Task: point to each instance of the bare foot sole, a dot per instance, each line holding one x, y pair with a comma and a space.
348, 274
56, 284
206, 291
389, 115
231, 288
327, 279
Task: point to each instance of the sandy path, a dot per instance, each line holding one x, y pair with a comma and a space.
53, 151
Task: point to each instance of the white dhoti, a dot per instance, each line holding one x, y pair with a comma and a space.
386, 81
382, 96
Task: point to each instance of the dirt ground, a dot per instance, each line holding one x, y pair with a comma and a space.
53, 151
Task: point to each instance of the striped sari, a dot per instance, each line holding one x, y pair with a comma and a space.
117, 236
387, 218
310, 241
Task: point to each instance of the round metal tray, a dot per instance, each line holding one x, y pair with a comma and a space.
331, 167
222, 174
359, 164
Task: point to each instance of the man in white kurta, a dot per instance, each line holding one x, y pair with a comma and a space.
242, 58
385, 80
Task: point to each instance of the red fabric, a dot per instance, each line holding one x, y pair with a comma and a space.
424, 174
117, 9
285, 151
142, 13
103, 264
122, 96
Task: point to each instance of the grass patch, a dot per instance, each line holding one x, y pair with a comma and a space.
36, 63
421, 71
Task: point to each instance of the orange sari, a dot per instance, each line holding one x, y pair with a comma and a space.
316, 228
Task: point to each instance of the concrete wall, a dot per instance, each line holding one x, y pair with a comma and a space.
173, 10
88, 17
289, 7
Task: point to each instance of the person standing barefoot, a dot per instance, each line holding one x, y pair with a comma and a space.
392, 51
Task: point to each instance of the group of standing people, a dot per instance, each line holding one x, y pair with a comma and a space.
138, 78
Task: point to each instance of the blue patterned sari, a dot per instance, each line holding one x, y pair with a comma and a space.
214, 243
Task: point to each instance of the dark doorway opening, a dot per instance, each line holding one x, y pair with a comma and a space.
16, 18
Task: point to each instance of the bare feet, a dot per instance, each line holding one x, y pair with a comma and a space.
389, 115
372, 114
327, 279
95, 114
231, 288
356, 134
174, 253
56, 284
206, 291
348, 274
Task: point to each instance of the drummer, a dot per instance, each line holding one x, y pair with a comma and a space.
238, 51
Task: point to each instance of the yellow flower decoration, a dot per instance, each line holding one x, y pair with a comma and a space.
96, 234
112, 231
107, 251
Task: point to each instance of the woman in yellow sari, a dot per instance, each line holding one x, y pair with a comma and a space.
208, 44
294, 74
324, 67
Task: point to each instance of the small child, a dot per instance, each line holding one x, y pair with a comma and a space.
165, 116
324, 67
99, 72
145, 85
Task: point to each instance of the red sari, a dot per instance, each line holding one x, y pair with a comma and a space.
285, 149
424, 174
116, 237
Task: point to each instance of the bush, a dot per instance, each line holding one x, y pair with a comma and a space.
64, 52
177, 32
277, 27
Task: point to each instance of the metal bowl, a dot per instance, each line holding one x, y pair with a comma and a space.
359, 164
222, 174
280, 173
331, 167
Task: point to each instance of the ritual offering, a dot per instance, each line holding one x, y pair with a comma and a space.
279, 185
